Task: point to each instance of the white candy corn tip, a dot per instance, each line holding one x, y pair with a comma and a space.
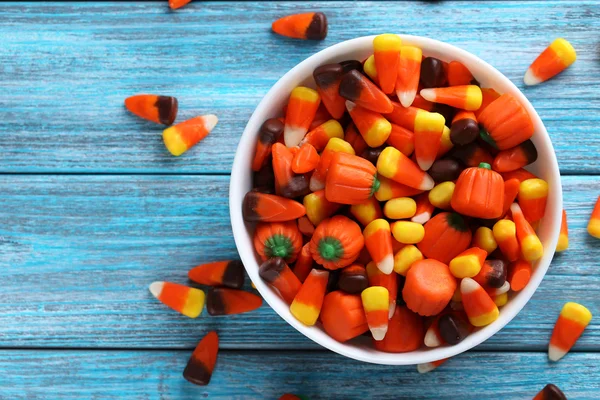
315, 184
468, 285
428, 94
530, 79
425, 368
425, 165
427, 183
502, 289
210, 121
350, 105
432, 339
515, 208
555, 354
406, 98
421, 218
392, 310
386, 265
379, 332
156, 288
293, 135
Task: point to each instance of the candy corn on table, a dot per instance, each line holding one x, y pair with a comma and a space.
93, 208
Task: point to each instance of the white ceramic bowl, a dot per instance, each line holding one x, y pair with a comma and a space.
241, 182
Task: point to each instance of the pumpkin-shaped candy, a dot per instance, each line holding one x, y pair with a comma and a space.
446, 236
479, 193
350, 179
337, 242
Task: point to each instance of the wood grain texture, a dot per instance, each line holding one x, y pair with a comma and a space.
80, 251
267, 375
67, 67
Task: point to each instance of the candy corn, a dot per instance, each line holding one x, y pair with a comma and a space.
269, 133
533, 195
319, 137
356, 88
515, 157
550, 392
328, 78
464, 129
445, 143
429, 287
563, 238
428, 135
424, 209
276, 272
373, 127
519, 174
378, 240
386, 51
430, 366
287, 183
505, 233
484, 239
343, 316
185, 300
553, 60
501, 299
318, 208
458, 74
219, 273
388, 189
306, 26
366, 212
433, 337
409, 71
270, 208
593, 227
492, 274
183, 136
468, 263
200, 367
511, 190
405, 332
403, 116
301, 110
472, 155
402, 139
389, 281
396, 166
505, 123
531, 247
478, 305
571, 323
519, 274
405, 258
353, 279
467, 97
354, 138
159, 109
375, 302
370, 69
221, 301
306, 159
307, 304
175, 4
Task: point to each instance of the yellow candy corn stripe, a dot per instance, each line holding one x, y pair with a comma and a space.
405, 258
387, 42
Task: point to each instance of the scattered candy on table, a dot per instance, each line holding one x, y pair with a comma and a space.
554, 59
159, 109
200, 367
311, 26
563, 238
571, 322
593, 227
175, 4
185, 135
224, 301
550, 392
186, 300
219, 273
430, 366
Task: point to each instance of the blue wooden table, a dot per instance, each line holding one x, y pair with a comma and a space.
93, 208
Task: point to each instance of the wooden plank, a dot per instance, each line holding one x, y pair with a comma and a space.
78, 252
66, 68
268, 375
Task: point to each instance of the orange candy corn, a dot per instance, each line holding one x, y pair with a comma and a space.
378, 240
458, 74
402, 139
389, 281
593, 227
270, 208
533, 195
222, 301
306, 159
515, 157
554, 59
159, 109
319, 137
328, 78
301, 110
430, 366
183, 136
357, 142
424, 209
175, 4
519, 174
405, 332
409, 71
388, 189
375, 301
360, 90
571, 323
183, 299
394, 165
219, 273
563, 238
306, 26
468, 263
531, 247
506, 123
269, 133
403, 116
505, 233
386, 50
321, 116
429, 287
201, 365
445, 143
367, 211
511, 190
304, 263
466, 97
277, 273
433, 337
287, 183
478, 305
550, 392
318, 207
343, 316
428, 135
374, 129
519, 274
307, 304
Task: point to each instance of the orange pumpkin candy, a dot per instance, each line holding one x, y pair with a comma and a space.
350, 179
278, 239
479, 193
505, 123
337, 242
446, 236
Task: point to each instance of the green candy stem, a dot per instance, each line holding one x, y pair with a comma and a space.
278, 246
487, 137
330, 249
375, 186
456, 222
485, 165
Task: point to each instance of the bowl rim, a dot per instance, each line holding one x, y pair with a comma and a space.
236, 195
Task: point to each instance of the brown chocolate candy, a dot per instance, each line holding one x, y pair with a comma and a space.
317, 30
349, 65
372, 153
550, 392
452, 329
271, 269
296, 187
496, 273
445, 170
464, 131
167, 109
432, 73
328, 74
353, 279
264, 179
270, 131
